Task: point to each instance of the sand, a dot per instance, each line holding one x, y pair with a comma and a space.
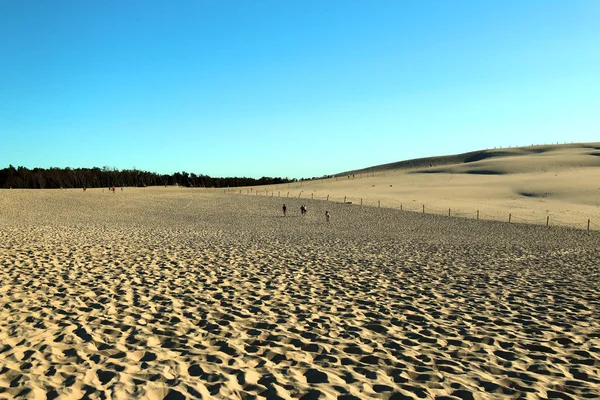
173, 293
561, 182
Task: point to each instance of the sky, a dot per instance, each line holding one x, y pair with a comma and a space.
290, 88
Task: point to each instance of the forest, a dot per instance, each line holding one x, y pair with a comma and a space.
56, 178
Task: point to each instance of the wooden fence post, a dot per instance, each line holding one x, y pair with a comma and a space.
361, 202
278, 194
299, 194
448, 212
588, 224
344, 199
379, 203
327, 197
312, 196
509, 216
423, 208
547, 220
477, 215
400, 207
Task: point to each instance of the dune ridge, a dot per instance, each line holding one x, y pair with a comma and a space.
474, 156
173, 293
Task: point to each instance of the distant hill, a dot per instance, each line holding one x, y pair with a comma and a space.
464, 158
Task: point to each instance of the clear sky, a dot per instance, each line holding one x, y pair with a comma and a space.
290, 88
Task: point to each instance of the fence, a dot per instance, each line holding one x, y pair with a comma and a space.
421, 208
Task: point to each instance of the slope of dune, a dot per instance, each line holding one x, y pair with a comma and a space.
561, 182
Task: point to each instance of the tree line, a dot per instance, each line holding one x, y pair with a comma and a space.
55, 178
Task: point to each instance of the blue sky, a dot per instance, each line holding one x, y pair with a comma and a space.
290, 88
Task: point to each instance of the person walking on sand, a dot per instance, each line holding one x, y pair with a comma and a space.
284, 210
327, 216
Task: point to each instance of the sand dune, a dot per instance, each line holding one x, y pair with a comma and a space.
561, 182
173, 293
573, 149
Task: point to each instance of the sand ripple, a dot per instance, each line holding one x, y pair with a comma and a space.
225, 298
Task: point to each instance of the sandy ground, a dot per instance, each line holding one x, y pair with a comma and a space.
172, 293
530, 183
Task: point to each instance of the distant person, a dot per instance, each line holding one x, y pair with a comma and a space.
302, 210
327, 216
284, 210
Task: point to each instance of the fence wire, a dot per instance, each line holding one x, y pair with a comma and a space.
411, 208
555, 222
